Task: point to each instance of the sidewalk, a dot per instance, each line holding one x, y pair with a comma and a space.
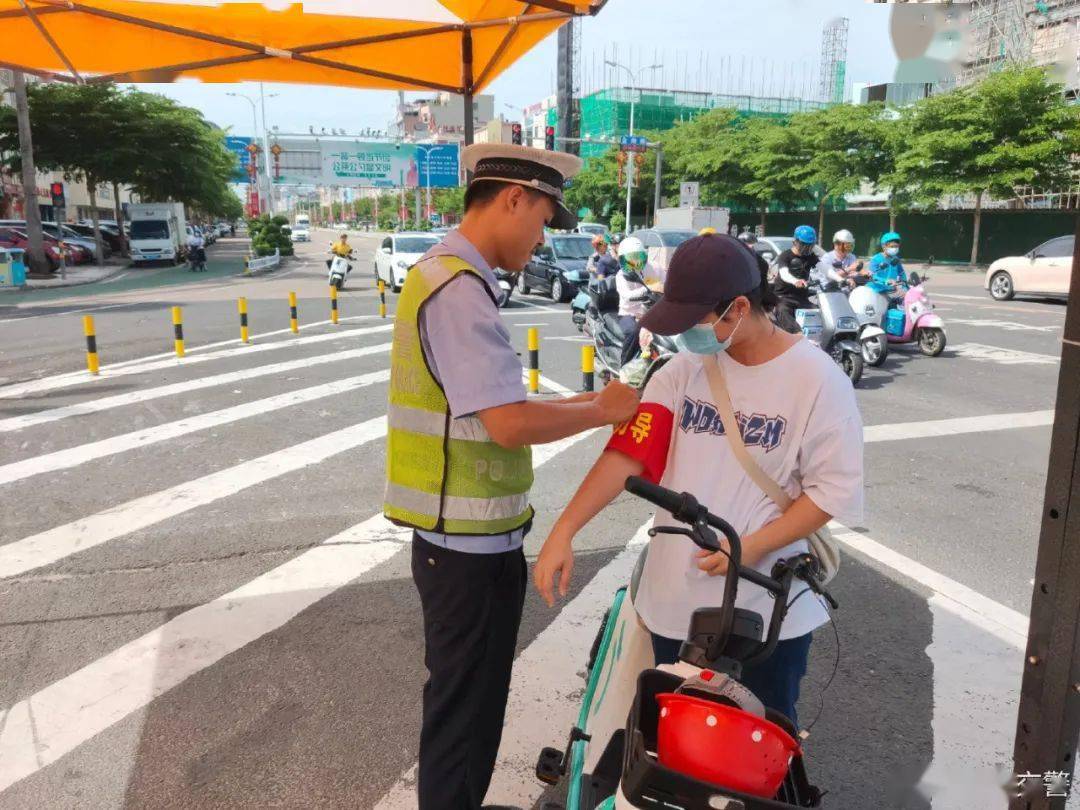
79, 275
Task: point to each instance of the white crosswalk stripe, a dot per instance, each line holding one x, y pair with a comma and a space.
171, 361
174, 389
53, 545
83, 453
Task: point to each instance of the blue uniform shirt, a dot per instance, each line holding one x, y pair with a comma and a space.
470, 352
884, 270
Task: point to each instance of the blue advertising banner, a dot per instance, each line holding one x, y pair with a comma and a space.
437, 165
239, 146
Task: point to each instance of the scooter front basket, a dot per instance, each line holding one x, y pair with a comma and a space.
647, 783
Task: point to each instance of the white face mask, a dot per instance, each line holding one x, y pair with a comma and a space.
892, 251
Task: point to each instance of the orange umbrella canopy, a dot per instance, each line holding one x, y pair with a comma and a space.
455, 45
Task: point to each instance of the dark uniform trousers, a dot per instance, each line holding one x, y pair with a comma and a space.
472, 606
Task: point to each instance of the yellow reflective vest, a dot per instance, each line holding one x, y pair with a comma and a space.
444, 474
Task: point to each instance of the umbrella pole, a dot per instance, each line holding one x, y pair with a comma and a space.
467, 82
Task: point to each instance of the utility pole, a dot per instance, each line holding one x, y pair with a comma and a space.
29, 177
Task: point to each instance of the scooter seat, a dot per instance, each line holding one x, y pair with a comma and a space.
611, 324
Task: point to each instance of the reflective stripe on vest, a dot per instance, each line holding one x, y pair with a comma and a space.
444, 474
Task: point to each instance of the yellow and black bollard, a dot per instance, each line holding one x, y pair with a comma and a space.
91, 344
241, 306
382, 298
333, 304
178, 330
534, 360
294, 322
588, 366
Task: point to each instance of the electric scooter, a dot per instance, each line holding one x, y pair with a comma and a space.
911, 321
601, 323
835, 329
339, 271
197, 259
687, 735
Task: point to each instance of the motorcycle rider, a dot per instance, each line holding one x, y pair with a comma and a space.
606, 264
886, 270
635, 282
793, 276
196, 251
843, 254
340, 248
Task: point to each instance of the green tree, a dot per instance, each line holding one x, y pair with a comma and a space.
450, 202
1010, 130
712, 150
597, 186
778, 155
847, 145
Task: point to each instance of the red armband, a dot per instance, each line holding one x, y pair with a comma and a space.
646, 438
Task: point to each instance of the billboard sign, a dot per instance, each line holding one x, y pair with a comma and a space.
239, 147
365, 164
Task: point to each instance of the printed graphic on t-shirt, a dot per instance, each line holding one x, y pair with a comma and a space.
758, 429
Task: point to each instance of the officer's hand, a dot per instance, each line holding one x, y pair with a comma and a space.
800, 284
617, 403
556, 557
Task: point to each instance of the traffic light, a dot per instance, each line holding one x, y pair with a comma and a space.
515, 134
56, 191
549, 138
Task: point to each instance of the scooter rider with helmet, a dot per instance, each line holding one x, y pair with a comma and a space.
793, 277
634, 283
886, 270
850, 267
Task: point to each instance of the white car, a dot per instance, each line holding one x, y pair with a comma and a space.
1043, 271
398, 253
301, 234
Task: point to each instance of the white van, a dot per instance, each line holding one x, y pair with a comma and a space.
156, 232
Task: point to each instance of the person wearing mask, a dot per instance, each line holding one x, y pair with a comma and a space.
887, 272
599, 249
794, 268
636, 283
799, 422
840, 264
459, 460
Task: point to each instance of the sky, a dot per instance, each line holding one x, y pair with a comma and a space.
777, 42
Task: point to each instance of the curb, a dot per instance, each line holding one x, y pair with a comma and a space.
30, 286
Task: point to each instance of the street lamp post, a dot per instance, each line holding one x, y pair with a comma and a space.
254, 130
427, 165
255, 135
633, 93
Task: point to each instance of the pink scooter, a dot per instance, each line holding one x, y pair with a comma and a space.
914, 322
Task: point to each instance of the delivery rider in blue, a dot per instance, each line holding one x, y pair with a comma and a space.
459, 463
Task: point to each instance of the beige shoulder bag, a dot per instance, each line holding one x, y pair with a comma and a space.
822, 544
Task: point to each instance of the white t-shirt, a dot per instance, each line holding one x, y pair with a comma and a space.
628, 290
801, 424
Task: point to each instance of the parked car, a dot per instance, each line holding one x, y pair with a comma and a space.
558, 266
109, 235
398, 253
770, 247
1043, 271
223, 229
592, 228
661, 243
15, 238
73, 238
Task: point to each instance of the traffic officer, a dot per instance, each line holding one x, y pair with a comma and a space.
459, 463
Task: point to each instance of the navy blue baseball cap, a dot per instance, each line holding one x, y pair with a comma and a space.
704, 272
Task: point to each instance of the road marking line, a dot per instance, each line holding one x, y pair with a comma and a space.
55, 544
73, 456
1004, 622
134, 397
980, 352
43, 728
571, 339
109, 372
1009, 326
953, 427
961, 297
547, 673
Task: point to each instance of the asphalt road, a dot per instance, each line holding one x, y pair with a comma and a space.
201, 607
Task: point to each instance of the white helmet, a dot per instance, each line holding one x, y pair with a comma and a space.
632, 254
845, 236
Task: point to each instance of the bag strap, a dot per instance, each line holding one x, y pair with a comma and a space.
731, 428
